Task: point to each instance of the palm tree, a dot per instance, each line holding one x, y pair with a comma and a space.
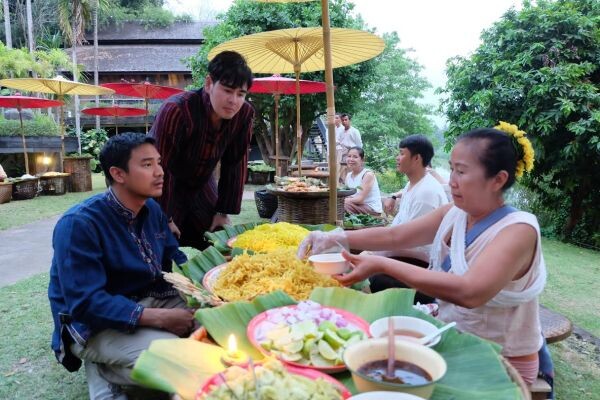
95, 12
7, 24
30, 38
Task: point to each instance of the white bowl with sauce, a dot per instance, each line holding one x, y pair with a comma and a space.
375, 350
405, 328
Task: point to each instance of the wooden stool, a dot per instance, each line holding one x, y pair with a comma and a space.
555, 326
539, 389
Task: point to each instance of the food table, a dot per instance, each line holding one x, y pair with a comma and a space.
311, 173
476, 370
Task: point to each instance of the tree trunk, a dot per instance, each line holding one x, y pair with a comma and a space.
75, 78
576, 210
30, 38
95, 11
7, 28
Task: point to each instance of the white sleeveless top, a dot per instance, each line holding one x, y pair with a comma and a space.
373, 199
511, 318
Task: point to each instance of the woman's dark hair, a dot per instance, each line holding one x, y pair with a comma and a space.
418, 144
497, 152
117, 151
230, 68
359, 150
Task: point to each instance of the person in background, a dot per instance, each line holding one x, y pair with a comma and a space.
195, 130
367, 199
3, 175
339, 149
349, 137
487, 269
107, 294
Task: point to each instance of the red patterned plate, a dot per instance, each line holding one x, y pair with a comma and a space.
312, 374
259, 323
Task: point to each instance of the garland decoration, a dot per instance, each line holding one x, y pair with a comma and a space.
525, 153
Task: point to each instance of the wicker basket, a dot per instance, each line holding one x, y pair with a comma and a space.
259, 177
25, 189
5, 192
266, 203
81, 174
54, 185
307, 210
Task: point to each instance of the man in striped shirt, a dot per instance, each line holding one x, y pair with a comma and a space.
195, 130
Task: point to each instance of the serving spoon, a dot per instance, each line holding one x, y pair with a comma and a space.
426, 339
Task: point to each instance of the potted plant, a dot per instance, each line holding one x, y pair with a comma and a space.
260, 174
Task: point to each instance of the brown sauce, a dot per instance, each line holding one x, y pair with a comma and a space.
405, 332
404, 372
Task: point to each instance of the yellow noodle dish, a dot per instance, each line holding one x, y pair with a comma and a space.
248, 276
266, 238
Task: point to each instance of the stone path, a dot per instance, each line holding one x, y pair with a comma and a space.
27, 250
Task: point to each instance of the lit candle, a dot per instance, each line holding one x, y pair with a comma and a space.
234, 356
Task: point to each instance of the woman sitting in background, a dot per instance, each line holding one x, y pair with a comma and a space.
486, 265
367, 199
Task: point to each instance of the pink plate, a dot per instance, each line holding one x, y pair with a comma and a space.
210, 278
354, 321
215, 380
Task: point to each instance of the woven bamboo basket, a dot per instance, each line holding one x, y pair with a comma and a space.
25, 189
81, 174
308, 208
266, 203
54, 185
5, 192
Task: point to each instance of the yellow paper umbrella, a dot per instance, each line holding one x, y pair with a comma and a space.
301, 49
58, 86
330, 101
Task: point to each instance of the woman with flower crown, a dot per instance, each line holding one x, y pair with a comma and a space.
486, 266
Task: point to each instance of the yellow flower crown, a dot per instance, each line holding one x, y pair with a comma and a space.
522, 145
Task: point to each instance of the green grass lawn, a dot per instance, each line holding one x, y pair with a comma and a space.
28, 368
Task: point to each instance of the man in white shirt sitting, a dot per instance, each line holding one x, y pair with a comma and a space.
421, 195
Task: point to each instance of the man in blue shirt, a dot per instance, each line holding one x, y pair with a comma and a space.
108, 298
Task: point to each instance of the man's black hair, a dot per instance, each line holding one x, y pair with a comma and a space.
117, 151
418, 144
346, 115
230, 68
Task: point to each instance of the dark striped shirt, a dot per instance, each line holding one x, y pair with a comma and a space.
191, 148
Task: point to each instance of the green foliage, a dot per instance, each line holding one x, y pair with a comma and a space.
390, 181
247, 17
18, 63
148, 12
40, 125
538, 68
153, 17
92, 141
261, 168
390, 106
380, 154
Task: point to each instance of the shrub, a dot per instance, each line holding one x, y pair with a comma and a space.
156, 17
390, 180
40, 125
92, 142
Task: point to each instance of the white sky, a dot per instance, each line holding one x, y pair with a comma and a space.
435, 29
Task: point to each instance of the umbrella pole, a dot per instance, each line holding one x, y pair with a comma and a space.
330, 113
298, 127
277, 134
117, 125
146, 117
24, 145
62, 131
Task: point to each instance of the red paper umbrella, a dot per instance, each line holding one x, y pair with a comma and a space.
278, 85
115, 111
145, 90
21, 102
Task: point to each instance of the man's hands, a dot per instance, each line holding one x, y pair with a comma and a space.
219, 220
178, 321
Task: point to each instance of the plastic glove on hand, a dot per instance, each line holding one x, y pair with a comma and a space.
318, 242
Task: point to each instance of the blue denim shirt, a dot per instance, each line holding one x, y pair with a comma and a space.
105, 259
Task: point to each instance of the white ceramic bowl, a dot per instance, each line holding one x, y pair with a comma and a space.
385, 396
379, 328
329, 264
374, 349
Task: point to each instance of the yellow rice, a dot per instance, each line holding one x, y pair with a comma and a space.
270, 237
248, 276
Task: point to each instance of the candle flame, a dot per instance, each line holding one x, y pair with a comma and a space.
232, 348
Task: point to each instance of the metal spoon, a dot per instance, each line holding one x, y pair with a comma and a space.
431, 336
